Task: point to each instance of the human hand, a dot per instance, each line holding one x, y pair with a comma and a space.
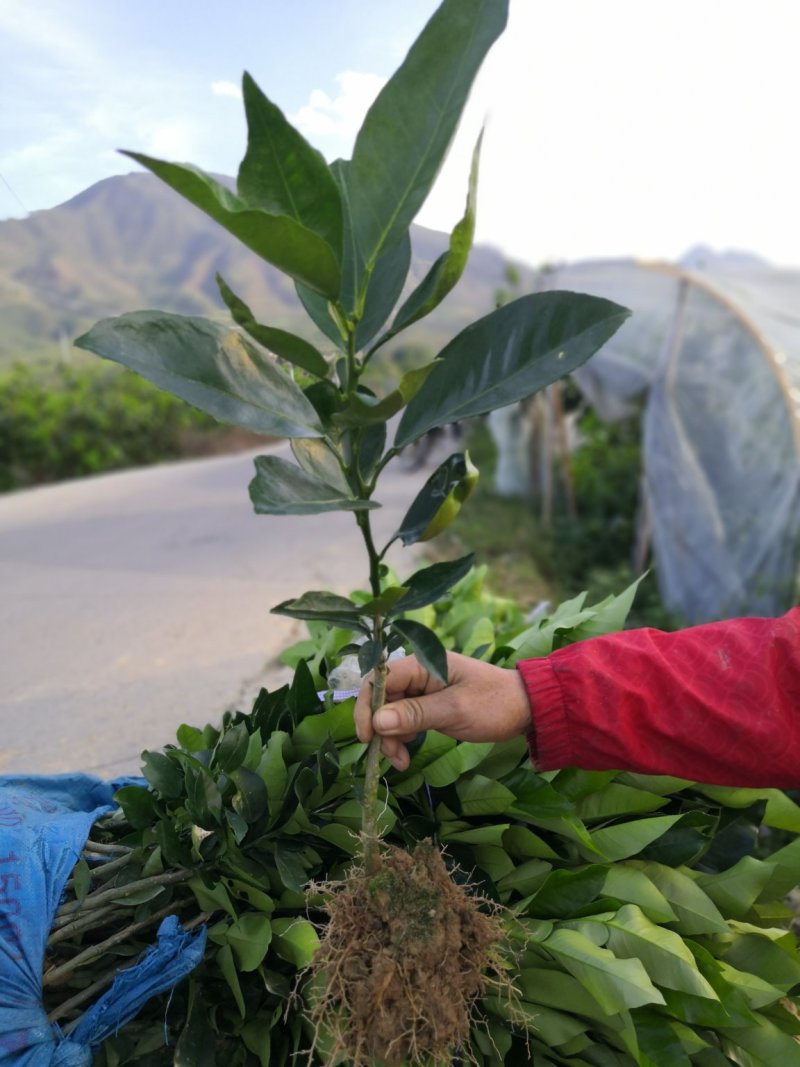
481, 702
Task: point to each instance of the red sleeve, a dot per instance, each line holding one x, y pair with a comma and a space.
718, 703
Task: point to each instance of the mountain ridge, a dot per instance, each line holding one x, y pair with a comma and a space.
129, 242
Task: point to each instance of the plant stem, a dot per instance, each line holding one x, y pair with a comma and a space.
106, 979
99, 847
369, 813
94, 900
94, 951
95, 917
369, 816
362, 518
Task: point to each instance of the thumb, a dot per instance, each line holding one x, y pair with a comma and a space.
412, 715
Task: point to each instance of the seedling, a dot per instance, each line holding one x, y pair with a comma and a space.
342, 233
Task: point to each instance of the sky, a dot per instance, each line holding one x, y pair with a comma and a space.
613, 127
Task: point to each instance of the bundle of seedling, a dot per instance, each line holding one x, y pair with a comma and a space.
642, 922
467, 908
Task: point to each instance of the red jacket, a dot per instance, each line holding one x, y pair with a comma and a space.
718, 703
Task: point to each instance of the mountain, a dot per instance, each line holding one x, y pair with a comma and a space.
129, 242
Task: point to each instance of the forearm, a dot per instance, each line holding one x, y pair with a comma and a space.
718, 703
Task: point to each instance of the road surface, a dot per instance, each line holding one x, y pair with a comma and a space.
135, 601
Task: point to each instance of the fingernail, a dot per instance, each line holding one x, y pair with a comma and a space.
386, 719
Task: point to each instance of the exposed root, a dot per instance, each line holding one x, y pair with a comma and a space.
405, 955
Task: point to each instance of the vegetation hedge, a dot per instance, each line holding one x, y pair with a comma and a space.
67, 422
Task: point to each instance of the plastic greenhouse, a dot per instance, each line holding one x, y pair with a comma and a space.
712, 356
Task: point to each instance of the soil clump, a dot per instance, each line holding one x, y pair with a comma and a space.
405, 955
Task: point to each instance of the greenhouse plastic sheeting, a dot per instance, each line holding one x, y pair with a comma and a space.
711, 356
44, 823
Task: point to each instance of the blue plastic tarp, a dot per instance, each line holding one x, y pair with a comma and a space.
44, 823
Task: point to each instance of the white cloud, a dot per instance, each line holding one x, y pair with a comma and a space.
223, 88
172, 140
335, 120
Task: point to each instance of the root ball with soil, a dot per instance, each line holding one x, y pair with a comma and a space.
406, 953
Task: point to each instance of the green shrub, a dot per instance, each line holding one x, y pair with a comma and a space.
67, 422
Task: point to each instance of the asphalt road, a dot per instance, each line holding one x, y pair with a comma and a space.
133, 602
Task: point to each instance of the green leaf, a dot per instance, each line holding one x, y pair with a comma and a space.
348, 302
617, 799
454, 763
557, 989
633, 886
439, 500
430, 584
190, 738
335, 722
697, 913
755, 990
282, 488
250, 800
302, 698
257, 1037
781, 811
525, 878
320, 311
425, 645
279, 239
226, 964
81, 879
350, 812
508, 355
163, 774
493, 861
369, 656
787, 871
295, 940
736, 890
615, 984
324, 607
609, 615
203, 798
211, 367
316, 457
482, 796
658, 1040
524, 843
384, 289
408, 129
776, 961
663, 952
288, 346
154, 864
272, 769
625, 839
448, 268
363, 410
371, 443
382, 605
249, 937
328, 764
195, 1046
290, 868
282, 174
764, 1044
491, 834
138, 805
231, 748
567, 891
